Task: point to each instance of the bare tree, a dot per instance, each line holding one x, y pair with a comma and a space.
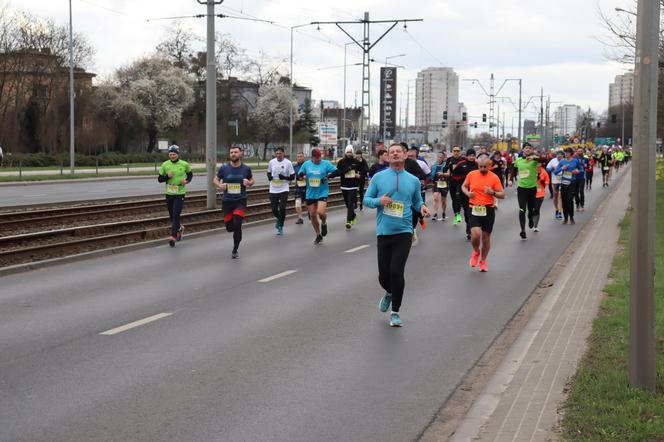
179, 47
230, 56
265, 70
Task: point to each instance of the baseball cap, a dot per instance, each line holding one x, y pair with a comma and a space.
315, 153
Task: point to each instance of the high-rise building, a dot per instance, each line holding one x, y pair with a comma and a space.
566, 118
621, 91
436, 92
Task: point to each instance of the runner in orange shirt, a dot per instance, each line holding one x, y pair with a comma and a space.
543, 181
482, 187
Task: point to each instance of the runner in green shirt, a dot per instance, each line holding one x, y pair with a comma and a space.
526, 170
175, 174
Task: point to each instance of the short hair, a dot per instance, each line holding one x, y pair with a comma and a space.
401, 145
381, 152
278, 149
235, 147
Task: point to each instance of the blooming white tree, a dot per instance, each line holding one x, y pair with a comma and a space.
272, 114
158, 91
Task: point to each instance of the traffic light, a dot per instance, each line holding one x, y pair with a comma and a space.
458, 124
475, 125
444, 124
464, 117
444, 115
599, 124
614, 118
483, 118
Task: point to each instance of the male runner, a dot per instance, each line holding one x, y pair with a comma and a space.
555, 181
394, 192
579, 192
454, 183
348, 168
176, 173
526, 169
316, 172
605, 163
440, 187
379, 165
590, 170
482, 187
570, 167
300, 188
459, 172
498, 165
421, 170
280, 173
542, 183
233, 179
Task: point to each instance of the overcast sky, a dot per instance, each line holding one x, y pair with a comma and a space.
549, 44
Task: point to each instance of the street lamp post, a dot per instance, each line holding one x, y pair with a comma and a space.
290, 120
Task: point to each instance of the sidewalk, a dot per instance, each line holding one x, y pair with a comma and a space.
520, 402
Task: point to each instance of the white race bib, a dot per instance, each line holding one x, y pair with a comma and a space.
524, 173
479, 211
606, 168
350, 174
441, 184
395, 209
314, 182
567, 175
234, 188
172, 189
301, 183
277, 182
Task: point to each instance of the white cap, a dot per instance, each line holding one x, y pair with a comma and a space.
349, 148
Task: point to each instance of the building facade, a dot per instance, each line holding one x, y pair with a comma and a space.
436, 93
566, 119
621, 91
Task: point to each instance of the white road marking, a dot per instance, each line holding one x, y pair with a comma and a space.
277, 276
115, 331
357, 248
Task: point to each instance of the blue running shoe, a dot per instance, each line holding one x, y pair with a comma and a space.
280, 230
395, 320
385, 302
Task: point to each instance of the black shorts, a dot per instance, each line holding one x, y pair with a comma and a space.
483, 222
442, 191
315, 201
234, 207
604, 172
301, 192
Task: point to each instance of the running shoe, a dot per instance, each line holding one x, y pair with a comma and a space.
178, 236
385, 302
483, 267
171, 241
299, 221
416, 240
565, 221
443, 218
280, 230
395, 320
474, 258
354, 221
234, 254
319, 239
536, 229
530, 223
434, 217
523, 235
348, 225
457, 218
571, 221
467, 236
323, 229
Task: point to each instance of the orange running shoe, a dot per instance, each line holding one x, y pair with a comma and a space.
483, 267
474, 258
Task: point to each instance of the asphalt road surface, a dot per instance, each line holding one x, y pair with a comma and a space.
302, 357
53, 192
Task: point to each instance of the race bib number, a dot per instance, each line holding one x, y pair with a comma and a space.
350, 174
234, 188
605, 168
277, 182
441, 184
314, 182
567, 175
301, 183
172, 188
524, 173
479, 211
395, 209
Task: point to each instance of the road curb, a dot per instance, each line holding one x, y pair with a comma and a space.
83, 180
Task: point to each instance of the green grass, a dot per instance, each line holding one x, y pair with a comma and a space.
601, 405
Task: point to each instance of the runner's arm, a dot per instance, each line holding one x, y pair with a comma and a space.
370, 196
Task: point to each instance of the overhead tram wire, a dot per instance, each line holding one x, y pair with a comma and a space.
423, 47
205, 15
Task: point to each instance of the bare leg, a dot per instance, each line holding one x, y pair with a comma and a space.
314, 218
486, 245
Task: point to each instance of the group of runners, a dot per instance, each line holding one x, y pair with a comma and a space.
398, 181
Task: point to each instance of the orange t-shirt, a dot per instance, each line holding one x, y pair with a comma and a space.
542, 182
477, 182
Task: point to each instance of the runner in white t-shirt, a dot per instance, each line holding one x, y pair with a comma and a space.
280, 172
556, 181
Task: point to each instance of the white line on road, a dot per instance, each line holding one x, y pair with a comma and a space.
277, 276
357, 248
115, 331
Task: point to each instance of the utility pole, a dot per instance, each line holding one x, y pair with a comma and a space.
542, 112
366, 47
642, 350
211, 105
622, 111
72, 94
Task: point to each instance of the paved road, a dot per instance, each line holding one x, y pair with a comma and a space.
43, 193
299, 358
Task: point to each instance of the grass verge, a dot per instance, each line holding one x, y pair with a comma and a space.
68, 176
601, 405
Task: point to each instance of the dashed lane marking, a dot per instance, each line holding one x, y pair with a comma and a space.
115, 331
277, 276
357, 248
